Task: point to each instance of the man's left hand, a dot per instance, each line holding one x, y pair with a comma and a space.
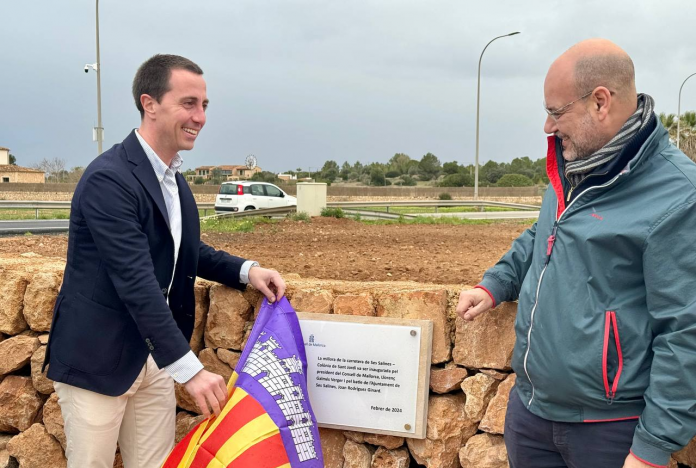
268, 282
633, 462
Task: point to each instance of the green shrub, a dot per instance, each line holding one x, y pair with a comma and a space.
445, 196
514, 180
457, 180
392, 174
301, 216
333, 213
408, 181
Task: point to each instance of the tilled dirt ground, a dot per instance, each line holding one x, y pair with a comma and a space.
344, 249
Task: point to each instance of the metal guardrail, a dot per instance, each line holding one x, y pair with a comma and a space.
270, 212
431, 203
346, 205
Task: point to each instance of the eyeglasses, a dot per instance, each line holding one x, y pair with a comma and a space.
558, 113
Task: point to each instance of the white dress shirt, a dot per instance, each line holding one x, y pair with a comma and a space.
186, 367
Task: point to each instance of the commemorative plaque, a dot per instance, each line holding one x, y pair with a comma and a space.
368, 374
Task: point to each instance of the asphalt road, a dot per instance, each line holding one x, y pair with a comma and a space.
39, 226
43, 226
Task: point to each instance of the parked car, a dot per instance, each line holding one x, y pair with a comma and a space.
242, 196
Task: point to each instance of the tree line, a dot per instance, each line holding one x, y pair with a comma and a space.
403, 170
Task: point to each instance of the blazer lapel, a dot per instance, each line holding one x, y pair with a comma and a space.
190, 224
144, 172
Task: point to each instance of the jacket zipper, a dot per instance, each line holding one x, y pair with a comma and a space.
551, 241
609, 325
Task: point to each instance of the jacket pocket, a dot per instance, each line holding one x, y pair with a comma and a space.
89, 337
611, 329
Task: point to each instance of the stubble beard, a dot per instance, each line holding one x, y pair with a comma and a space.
587, 141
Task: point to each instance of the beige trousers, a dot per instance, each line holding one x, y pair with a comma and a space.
142, 420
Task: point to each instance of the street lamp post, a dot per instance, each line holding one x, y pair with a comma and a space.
98, 130
679, 109
478, 103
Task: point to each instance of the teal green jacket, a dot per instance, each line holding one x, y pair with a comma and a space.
606, 322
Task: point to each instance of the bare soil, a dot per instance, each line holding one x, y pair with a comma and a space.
329, 248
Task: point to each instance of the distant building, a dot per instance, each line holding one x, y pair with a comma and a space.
18, 174
227, 172
287, 177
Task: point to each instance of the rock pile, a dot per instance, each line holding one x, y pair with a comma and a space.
470, 377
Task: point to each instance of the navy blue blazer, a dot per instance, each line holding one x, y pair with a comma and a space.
112, 309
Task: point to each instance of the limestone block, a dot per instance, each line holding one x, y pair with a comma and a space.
184, 400
447, 379
673, 463
53, 419
4, 439
41, 382
448, 429
386, 441
384, 458
332, 443
16, 352
356, 455
487, 341
494, 420
479, 390
6, 461
43, 339
213, 364
36, 448
497, 375
318, 302
202, 298
254, 297
687, 455
230, 358
227, 316
185, 423
355, 304
20, 404
118, 460
484, 451
357, 437
13, 285
424, 305
39, 299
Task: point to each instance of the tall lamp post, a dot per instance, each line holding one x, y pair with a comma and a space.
679, 109
478, 103
98, 130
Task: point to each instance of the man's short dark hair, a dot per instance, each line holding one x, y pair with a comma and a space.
152, 78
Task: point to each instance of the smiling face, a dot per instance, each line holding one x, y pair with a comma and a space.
575, 126
181, 113
173, 124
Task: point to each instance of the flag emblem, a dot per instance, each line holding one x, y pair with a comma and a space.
267, 421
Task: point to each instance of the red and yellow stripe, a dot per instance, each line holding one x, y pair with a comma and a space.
243, 435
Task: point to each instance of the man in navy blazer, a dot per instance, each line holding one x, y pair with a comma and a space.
125, 313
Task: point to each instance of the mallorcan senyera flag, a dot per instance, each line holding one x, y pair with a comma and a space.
267, 421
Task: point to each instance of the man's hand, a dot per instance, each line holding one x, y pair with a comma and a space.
473, 302
633, 462
268, 282
208, 389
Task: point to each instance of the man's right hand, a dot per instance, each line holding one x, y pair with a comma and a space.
473, 302
208, 391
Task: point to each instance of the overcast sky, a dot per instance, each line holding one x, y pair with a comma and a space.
297, 82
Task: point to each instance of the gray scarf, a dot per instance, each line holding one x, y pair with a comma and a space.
576, 171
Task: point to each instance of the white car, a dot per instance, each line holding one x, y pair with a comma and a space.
245, 195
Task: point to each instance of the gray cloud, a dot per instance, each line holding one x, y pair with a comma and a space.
298, 82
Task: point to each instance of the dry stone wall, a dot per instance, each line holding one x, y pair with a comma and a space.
470, 377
